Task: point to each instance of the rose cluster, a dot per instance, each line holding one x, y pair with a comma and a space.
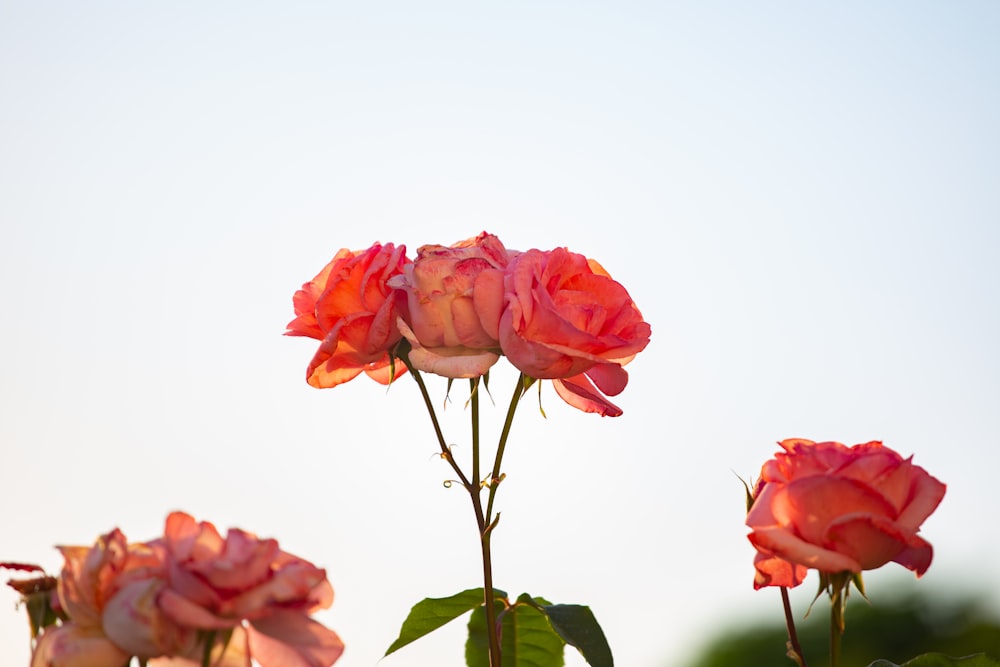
836, 509
556, 315
189, 594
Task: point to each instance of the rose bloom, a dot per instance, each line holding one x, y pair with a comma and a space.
837, 508
440, 290
562, 317
216, 583
108, 591
349, 308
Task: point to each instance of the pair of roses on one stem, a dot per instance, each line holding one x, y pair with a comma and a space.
191, 597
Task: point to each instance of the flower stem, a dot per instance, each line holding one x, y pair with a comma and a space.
474, 400
473, 487
793, 637
491, 612
838, 587
445, 452
836, 628
508, 422
487, 522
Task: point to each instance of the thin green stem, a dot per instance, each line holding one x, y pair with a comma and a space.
508, 422
836, 630
474, 400
445, 452
473, 488
839, 583
487, 523
793, 637
491, 612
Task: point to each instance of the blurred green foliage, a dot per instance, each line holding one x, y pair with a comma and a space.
896, 629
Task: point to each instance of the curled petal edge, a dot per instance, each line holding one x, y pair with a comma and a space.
783, 544
579, 392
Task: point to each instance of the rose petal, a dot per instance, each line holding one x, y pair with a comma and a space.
448, 362
925, 494
185, 612
783, 544
611, 379
774, 571
760, 514
135, 623
291, 584
489, 300
874, 541
287, 639
811, 504
581, 394
71, 645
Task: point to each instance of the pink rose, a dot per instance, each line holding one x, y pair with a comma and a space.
836, 508
217, 583
107, 620
564, 318
349, 307
441, 290
91, 576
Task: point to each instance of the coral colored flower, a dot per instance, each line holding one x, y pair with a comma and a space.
349, 308
441, 290
565, 319
218, 583
835, 508
91, 576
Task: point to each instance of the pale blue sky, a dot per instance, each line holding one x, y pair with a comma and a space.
803, 201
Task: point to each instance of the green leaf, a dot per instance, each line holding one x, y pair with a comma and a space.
578, 627
431, 613
941, 660
528, 638
477, 646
